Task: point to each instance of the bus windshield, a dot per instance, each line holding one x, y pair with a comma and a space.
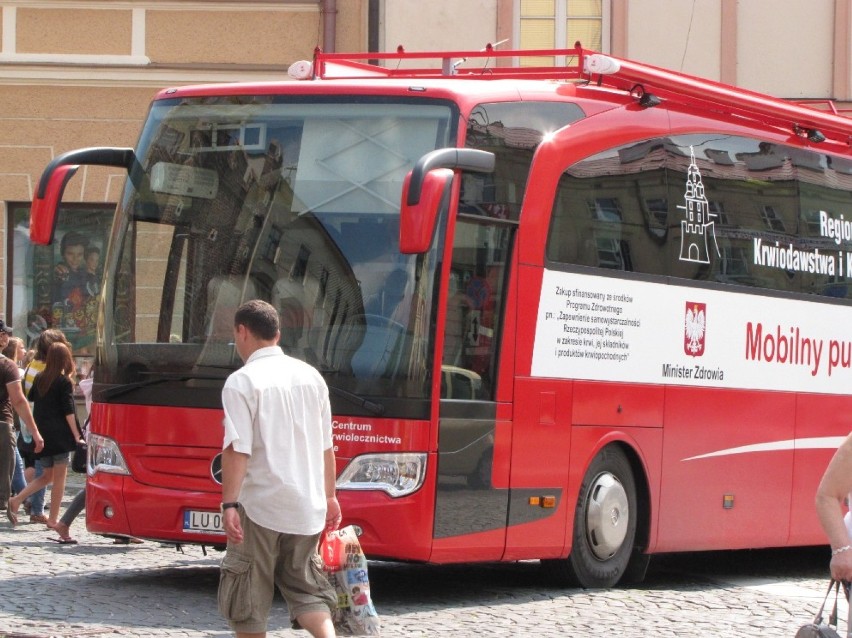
282, 199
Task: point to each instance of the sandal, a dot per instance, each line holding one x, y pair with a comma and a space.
64, 540
127, 540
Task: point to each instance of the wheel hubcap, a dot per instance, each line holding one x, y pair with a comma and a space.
607, 515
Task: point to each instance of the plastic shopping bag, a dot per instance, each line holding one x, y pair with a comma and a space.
346, 567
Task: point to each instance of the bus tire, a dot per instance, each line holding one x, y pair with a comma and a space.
604, 524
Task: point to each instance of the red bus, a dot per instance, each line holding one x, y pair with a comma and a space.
581, 314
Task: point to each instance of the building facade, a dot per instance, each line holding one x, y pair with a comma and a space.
77, 73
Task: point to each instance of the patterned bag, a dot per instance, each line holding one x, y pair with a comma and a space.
818, 628
346, 567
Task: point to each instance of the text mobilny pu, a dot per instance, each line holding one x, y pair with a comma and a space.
790, 347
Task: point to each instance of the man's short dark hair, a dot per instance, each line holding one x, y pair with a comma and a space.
259, 317
72, 238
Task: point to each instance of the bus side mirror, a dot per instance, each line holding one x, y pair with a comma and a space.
417, 221
46, 205
424, 188
51, 186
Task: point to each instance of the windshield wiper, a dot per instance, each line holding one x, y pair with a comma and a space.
162, 377
371, 406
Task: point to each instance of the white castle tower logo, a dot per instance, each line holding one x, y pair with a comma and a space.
698, 221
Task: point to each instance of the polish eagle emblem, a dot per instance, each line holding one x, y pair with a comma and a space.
694, 328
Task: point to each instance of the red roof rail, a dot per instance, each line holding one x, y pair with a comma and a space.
824, 104
805, 120
338, 65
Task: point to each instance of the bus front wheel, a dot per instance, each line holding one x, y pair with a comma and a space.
604, 524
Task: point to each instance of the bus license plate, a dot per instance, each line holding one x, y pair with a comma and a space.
204, 522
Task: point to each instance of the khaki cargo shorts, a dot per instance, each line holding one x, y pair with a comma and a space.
250, 571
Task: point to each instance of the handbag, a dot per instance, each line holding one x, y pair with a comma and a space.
79, 460
829, 629
346, 567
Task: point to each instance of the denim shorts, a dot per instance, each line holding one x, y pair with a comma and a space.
54, 459
251, 570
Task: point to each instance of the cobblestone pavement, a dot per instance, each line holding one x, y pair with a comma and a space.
100, 589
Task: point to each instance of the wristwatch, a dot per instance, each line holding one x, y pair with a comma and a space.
225, 506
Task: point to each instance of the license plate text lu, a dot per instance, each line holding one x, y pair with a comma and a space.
204, 522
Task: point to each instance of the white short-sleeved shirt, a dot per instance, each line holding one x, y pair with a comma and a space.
277, 411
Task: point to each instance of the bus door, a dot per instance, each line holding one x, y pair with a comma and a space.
471, 501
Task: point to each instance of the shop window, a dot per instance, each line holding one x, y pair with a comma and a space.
58, 286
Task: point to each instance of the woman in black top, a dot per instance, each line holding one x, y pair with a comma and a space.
52, 395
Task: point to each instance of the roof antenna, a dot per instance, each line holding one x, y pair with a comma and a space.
487, 47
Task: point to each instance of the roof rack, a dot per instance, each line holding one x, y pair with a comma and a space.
805, 120
350, 64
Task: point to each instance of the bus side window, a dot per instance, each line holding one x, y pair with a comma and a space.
709, 207
475, 308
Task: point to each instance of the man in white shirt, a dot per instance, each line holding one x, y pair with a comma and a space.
278, 482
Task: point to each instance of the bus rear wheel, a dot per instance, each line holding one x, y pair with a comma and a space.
604, 524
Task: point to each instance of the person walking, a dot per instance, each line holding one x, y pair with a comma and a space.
52, 395
11, 398
16, 351
278, 482
33, 468
832, 510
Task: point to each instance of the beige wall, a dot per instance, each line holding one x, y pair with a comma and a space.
41, 122
683, 36
785, 48
444, 26
179, 37
88, 31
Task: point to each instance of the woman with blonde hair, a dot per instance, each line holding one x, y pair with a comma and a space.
15, 351
52, 395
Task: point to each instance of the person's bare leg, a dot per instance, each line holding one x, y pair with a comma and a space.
62, 529
317, 623
31, 488
60, 472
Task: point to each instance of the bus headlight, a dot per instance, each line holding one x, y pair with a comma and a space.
104, 456
396, 474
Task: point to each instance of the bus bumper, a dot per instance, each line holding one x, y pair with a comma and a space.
159, 514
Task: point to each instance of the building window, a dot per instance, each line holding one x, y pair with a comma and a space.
772, 219
613, 254
717, 210
558, 24
605, 209
733, 265
58, 286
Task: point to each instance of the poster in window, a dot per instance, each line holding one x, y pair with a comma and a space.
59, 286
